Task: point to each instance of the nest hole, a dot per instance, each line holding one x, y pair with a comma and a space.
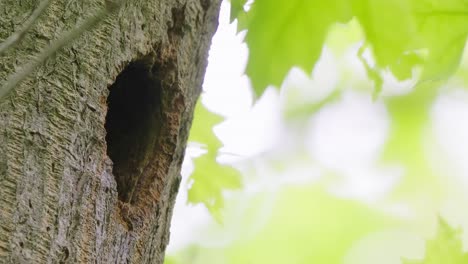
132, 125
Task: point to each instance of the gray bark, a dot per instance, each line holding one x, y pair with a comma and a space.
91, 143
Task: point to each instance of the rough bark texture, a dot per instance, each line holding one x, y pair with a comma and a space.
70, 191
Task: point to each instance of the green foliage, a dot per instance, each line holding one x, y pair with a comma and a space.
446, 247
408, 38
202, 128
170, 260
210, 178
237, 9
306, 225
406, 143
402, 34
282, 34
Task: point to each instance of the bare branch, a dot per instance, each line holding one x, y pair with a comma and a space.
17, 36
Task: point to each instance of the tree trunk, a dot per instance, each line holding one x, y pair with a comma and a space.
92, 142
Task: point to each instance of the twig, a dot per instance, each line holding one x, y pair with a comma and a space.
18, 35
16, 78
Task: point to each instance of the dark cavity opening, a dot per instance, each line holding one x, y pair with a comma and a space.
132, 125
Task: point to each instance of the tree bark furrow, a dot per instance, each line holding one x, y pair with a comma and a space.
68, 193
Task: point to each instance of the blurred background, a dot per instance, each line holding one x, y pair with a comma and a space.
330, 171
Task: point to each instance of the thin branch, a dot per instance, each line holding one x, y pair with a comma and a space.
18, 35
16, 78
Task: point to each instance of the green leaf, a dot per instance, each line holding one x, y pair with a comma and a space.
372, 73
210, 180
402, 69
170, 260
202, 128
282, 34
388, 27
237, 8
446, 247
209, 177
402, 34
442, 33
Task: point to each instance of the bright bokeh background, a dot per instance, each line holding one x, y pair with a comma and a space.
331, 174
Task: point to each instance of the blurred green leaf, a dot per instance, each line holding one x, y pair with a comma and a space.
402, 34
442, 33
170, 260
209, 177
446, 247
210, 180
237, 8
388, 26
307, 225
406, 145
372, 72
202, 128
341, 36
282, 34
403, 68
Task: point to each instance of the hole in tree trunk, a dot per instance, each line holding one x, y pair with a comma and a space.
133, 124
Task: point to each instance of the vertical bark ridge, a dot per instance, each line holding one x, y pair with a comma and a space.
58, 195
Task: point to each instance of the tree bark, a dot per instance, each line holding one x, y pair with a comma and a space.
92, 142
